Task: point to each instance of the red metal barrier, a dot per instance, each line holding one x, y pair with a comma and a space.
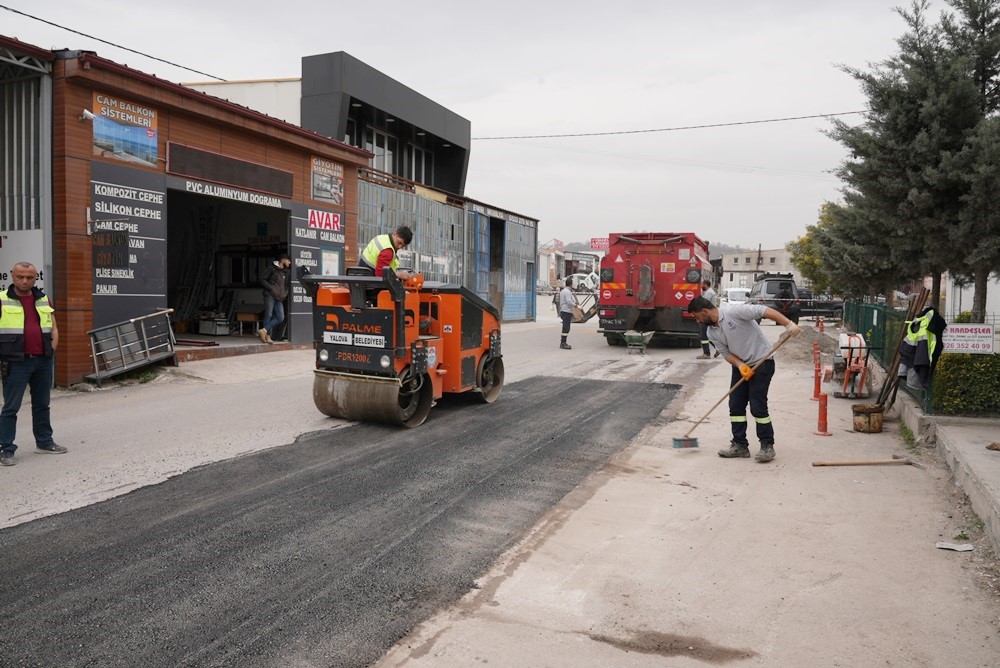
821, 426
816, 371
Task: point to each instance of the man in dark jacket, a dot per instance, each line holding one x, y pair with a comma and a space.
28, 340
274, 280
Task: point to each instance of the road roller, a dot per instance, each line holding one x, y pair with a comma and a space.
387, 350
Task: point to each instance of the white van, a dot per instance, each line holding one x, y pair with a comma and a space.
735, 295
585, 282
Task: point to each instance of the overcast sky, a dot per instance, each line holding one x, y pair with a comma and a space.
536, 68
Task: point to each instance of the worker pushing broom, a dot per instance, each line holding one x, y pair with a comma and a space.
739, 339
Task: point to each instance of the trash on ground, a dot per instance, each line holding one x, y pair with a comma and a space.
954, 546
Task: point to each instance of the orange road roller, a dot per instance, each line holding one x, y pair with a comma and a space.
387, 350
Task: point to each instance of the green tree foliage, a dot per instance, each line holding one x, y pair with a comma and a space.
978, 229
853, 251
805, 255
973, 36
921, 154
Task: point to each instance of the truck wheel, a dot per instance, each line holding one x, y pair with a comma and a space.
615, 339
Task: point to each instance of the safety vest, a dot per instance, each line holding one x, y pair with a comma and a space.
918, 330
375, 247
12, 324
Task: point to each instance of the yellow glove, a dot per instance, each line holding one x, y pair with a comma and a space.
746, 372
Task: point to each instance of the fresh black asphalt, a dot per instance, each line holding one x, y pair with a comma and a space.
324, 552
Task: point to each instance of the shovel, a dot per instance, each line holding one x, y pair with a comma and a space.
686, 441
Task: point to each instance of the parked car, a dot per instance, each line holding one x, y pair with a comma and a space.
779, 292
813, 306
735, 295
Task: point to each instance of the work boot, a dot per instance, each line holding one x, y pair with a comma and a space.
7, 458
766, 454
565, 346
51, 448
703, 356
735, 450
716, 354
268, 339
262, 335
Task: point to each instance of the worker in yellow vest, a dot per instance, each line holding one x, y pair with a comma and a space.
381, 252
28, 341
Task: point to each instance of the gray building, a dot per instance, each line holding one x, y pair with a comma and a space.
739, 269
416, 177
410, 135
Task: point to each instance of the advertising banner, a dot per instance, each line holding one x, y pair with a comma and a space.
124, 130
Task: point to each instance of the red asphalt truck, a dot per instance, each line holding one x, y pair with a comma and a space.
647, 281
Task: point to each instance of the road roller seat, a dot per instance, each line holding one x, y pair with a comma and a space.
360, 295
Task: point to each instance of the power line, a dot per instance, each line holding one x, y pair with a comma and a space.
715, 166
104, 41
684, 127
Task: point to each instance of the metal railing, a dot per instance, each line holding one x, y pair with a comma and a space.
131, 344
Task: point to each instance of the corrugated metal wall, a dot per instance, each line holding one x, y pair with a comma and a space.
518, 274
437, 250
21, 154
477, 274
519, 284
453, 245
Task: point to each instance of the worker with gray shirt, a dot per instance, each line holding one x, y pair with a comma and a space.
738, 337
567, 302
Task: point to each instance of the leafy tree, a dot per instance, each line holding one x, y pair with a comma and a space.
853, 252
979, 223
902, 175
973, 38
805, 254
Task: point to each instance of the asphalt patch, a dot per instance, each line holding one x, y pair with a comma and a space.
322, 552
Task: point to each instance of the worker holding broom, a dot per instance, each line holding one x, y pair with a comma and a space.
738, 337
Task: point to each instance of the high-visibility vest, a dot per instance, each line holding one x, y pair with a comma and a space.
12, 324
918, 330
375, 247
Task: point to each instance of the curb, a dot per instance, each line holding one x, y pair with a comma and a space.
967, 467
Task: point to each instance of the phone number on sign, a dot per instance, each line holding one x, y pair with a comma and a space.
967, 347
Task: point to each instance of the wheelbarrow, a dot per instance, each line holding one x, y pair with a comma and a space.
637, 341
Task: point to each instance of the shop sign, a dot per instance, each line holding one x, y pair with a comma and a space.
127, 224
124, 130
974, 338
327, 180
324, 220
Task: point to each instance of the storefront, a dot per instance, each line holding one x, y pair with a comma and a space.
168, 198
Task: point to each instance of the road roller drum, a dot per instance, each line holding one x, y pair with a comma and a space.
386, 351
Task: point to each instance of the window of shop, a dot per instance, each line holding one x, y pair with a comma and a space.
422, 165
384, 148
